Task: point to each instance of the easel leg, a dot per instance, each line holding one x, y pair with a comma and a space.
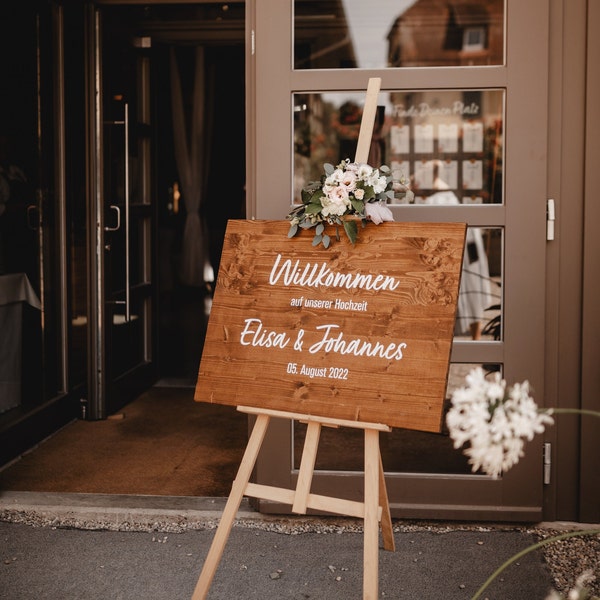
371, 525
233, 504
386, 518
307, 468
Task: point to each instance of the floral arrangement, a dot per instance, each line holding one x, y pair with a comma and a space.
344, 192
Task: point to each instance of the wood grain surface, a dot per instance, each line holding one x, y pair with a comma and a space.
359, 332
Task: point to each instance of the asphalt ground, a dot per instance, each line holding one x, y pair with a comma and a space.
73, 546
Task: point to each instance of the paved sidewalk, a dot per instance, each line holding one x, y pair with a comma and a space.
154, 552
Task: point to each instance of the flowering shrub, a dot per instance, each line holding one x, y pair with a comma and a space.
495, 420
349, 189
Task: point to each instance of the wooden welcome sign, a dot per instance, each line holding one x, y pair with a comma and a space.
360, 333
349, 336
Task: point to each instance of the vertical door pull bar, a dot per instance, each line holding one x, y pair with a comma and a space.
127, 275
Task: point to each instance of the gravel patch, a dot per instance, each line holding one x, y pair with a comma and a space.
570, 558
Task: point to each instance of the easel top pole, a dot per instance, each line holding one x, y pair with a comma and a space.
368, 120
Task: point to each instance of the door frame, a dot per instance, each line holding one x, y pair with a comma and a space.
96, 394
572, 318
589, 507
271, 82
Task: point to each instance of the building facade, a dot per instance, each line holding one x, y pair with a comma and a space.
133, 131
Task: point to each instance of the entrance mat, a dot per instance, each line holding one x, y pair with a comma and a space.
163, 443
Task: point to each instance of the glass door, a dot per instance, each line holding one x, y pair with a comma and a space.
32, 228
454, 120
122, 355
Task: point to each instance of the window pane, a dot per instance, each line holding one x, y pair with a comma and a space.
347, 34
449, 142
479, 314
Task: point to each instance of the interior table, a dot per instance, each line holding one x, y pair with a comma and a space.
15, 291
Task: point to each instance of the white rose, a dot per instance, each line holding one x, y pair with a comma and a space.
348, 180
336, 202
378, 183
359, 193
364, 172
335, 178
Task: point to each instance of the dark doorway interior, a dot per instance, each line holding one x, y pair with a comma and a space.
184, 308
178, 311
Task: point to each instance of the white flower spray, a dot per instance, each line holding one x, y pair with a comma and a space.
494, 421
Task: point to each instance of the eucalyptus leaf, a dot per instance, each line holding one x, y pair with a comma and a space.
358, 205
351, 230
317, 240
328, 168
313, 208
320, 228
326, 241
293, 231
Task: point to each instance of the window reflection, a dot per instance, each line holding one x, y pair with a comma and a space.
479, 310
341, 34
447, 141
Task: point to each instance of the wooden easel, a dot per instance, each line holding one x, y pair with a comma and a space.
373, 510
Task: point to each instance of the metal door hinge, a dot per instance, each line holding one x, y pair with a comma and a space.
547, 462
550, 218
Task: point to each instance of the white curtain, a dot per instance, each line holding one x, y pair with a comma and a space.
191, 140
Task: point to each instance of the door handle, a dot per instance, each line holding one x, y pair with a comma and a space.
118, 225
33, 217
